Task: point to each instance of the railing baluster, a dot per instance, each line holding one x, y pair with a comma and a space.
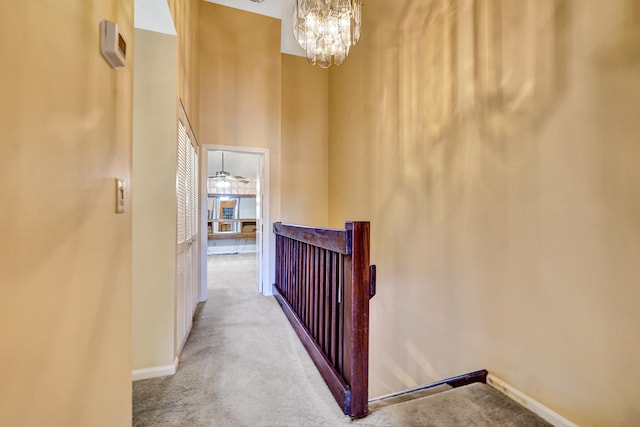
322, 279
293, 291
322, 300
314, 288
309, 287
300, 280
327, 301
335, 316
338, 331
316, 295
297, 290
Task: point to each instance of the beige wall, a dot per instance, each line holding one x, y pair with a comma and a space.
186, 19
167, 71
154, 199
65, 261
240, 93
252, 96
305, 143
495, 152
240, 79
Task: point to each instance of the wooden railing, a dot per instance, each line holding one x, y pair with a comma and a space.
323, 284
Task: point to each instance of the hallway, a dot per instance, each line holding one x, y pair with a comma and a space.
241, 363
244, 366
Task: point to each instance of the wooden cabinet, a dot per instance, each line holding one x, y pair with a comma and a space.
246, 229
228, 217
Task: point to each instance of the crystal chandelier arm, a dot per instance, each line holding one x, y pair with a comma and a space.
326, 29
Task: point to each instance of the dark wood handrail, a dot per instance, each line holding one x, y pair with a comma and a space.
323, 284
326, 238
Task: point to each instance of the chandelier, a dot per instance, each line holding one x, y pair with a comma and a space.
326, 29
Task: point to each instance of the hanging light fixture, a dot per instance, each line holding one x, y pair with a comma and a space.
326, 29
223, 179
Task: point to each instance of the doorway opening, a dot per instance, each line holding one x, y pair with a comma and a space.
234, 207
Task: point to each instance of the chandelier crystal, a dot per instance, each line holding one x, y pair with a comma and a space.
326, 29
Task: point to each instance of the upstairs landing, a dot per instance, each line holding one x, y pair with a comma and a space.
476, 404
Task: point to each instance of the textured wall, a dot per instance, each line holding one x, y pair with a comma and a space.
494, 147
65, 261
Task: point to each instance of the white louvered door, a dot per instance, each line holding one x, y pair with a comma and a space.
187, 283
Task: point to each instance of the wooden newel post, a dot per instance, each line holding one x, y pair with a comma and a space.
356, 302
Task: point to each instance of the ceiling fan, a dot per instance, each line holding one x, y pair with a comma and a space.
224, 179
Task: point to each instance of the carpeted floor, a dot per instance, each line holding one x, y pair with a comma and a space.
244, 366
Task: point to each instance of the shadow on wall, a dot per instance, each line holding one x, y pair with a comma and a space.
497, 68
456, 82
624, 50
520, 63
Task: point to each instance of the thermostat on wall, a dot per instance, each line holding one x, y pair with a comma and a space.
112, 44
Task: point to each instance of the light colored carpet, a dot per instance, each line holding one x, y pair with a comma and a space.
244, 366
473, 405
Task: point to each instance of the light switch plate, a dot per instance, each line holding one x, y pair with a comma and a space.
119, 195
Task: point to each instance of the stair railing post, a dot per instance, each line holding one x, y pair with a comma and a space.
356, 327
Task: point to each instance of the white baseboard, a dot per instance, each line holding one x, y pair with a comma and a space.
530, 403
155, 372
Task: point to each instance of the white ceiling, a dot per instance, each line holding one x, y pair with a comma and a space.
243, 164
154, 15
272, 8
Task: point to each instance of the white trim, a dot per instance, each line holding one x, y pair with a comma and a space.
530, 403
268, 239
155, 372
408, 391
204, 235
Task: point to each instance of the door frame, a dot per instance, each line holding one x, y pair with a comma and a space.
263, 250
